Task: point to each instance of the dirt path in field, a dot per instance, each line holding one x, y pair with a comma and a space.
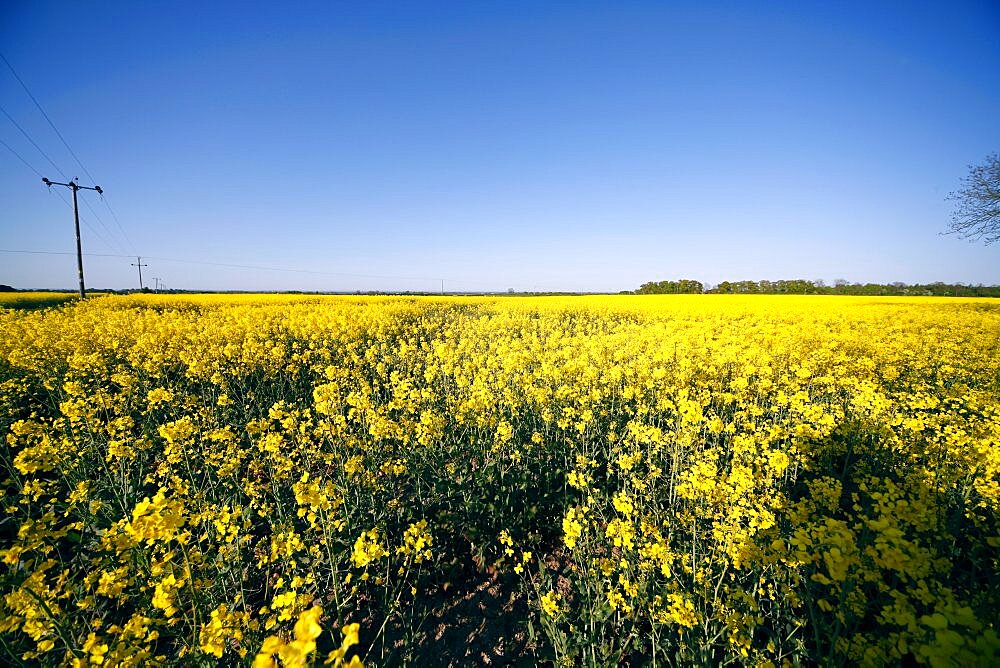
476, 622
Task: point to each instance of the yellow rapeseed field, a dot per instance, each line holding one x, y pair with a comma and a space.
34, 299
709, 480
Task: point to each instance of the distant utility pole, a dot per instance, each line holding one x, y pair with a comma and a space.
442, 287
138, 263
157, 279
74, 186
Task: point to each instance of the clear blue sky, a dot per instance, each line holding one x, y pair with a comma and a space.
574, 146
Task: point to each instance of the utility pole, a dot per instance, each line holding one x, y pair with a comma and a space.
442, 287
74, 186
138, 263
157, 279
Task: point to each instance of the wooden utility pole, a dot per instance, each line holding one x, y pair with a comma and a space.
74, 186
138, 263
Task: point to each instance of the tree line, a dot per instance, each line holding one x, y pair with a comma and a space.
805, 287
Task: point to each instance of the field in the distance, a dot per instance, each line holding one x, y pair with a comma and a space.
588, 480
31, 300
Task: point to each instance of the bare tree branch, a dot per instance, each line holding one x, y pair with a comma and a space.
977, 210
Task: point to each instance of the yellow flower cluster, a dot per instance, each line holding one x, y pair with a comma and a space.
766, 480
299, 652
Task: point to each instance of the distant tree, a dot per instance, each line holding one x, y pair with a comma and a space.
841, 287
7, 288
683, 286
977, 208
689, 287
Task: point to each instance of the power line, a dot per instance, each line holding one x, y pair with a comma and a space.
65, 201
90, 227
18, 156
320, 273
33, 143
56, 167
255, 267
51, 124
297, 271
46, 156
34, 252
107, 229
114, 216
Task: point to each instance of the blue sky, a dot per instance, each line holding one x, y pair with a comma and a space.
557, 146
